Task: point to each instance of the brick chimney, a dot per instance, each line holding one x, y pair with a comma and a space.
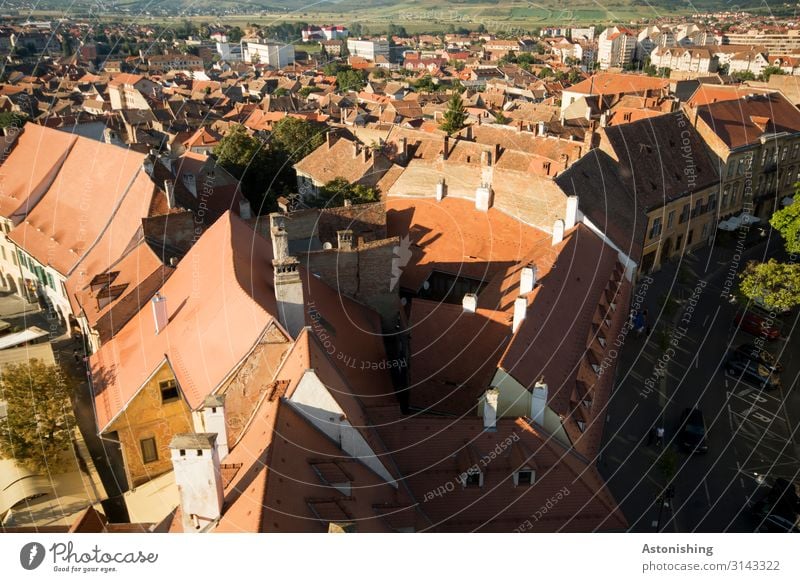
196, 466
446, 147
344, 240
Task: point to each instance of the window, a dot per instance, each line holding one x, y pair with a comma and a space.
784, 151
4, 252
684, 214
169, 390
704, 235
149, 451
724, 200
712, 202
764, 156
730, 170
698, 208
670, 218
524, 477
473, 478
655, 230
740, 167
689, 238
795, 149
14, 258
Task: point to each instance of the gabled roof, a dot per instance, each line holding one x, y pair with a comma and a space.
219, 302
618, 83
30, 168
80, 203
733, 121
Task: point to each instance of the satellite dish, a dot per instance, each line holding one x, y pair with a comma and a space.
426, 285
327, 246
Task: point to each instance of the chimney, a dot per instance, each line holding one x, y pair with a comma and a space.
404, 149
527, 279
588, 137
469, 302
486, 158
169, 190
159, 311
603, 119
446, 149
539, 401
329, 139
483, 198
344, 240
520, 310
469, 132
214, 421
564, 161
245, 212
440, 190
558, 231
356, 150
540, 130
365, 154
571, 216
490, 399
280, 238
289, 295
196, 466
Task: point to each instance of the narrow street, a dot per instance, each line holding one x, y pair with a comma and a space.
752, 434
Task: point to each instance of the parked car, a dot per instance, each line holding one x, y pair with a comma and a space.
779, 509
757, 325
741, 366
761, 356
692, 435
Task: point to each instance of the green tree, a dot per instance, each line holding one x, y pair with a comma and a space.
787, 222
455, 117
350, 80
775, 284
335, 192
295, 138
12, 119
280, 92
237, 150
771, 70
37, 430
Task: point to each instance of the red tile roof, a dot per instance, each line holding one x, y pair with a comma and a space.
219, 303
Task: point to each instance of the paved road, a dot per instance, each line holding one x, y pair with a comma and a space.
752, 434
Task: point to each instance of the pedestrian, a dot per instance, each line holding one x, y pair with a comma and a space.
639, 323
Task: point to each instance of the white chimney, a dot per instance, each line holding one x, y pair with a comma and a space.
540, 128
214, 421
527, 279
520, 310
279, 236
195, 462
571, 216
490, 409
159, 311
603, 119
470, 303
483, 198
558, 231
169, 190
245, 212
289, 295
539, 401
440, 190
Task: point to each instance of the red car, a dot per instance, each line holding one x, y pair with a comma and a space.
757, 325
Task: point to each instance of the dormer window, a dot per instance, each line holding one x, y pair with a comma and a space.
523, 477
473, 478
582, 425
169, 391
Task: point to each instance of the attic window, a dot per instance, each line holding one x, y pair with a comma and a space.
169, 391
109, 294
581, 425
102, 281
524, 477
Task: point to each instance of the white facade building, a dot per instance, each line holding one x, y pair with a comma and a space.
368, 49
615, 47
274, 54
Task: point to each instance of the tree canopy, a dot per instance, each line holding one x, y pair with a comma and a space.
775, 284
335, 192
456, 115
787, 222
350, 80
38, 429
